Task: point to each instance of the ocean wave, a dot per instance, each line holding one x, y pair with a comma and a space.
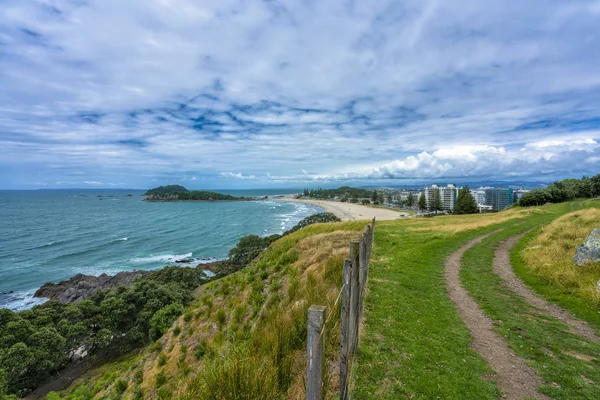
21, 300
123, 239
97, 271
49, 244
160, 258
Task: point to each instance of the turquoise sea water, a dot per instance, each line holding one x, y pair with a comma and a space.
48, 236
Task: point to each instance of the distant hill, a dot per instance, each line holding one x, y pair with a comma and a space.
169, 189
344, 191
180, 193
472, 185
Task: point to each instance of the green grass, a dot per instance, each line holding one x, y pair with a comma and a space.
562, 295
543, 341
414, 344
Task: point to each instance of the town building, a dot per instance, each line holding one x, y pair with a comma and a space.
447, 195
479, 196
499, 199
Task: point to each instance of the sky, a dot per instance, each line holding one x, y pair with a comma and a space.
240, 94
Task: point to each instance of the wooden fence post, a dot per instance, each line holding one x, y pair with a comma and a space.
314, 352
345, 329
363, 273
354, 293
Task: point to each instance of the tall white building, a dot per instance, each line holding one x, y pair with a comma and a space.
479, 196
447, 195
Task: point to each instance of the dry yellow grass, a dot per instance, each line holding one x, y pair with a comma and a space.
550, 254
256, 315
459, 223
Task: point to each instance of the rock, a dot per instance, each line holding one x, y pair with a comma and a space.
185, 261
589, 251
82, 286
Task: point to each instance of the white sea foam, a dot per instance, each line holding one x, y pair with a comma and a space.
123, 239
22, 300
160, 258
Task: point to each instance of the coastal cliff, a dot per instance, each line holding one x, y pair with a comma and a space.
81, 286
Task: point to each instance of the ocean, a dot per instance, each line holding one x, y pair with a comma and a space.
51, 235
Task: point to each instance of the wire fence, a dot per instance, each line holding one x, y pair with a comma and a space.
354, 282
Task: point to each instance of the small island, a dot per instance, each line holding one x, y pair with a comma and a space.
180, 193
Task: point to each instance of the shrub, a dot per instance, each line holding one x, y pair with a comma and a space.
187, 317
221, 317
138, 376
176, 330
162, 359
161, 379
200, 351
314, 219
121, 386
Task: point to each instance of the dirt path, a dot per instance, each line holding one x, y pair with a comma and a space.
515, 378
503, 268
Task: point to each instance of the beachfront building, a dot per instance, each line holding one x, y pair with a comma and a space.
479, 196
519, 193
499, 199
447, 195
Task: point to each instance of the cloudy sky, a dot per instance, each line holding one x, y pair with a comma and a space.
225, 94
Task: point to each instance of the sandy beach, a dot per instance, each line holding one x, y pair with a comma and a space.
350, 211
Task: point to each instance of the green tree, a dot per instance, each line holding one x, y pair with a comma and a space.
374, 196
436, 202
465, 202
163, 319
422, 202
410, 201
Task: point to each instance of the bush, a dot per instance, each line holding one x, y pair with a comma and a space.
314, 219
162, 359
163, 319
221, 317
200, 351
161, 379
121, 386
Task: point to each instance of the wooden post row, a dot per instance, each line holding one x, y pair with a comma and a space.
314, 353
344, 343
354, 293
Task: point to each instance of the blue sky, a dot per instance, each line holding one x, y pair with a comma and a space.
234, 94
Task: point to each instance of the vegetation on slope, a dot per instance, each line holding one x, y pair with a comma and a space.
168, 189
180, 193
550, 270
36, 343
245, 334
346, 192
561, 191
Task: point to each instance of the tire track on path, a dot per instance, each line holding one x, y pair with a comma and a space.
503, 268
513, 376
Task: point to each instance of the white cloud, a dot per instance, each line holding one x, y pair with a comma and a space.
239, 175
181, 88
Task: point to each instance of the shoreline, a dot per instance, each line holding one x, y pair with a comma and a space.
348, 211
21, 300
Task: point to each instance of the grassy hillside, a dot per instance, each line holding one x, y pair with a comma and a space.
543, 260
414, 344
243, 334
565, 361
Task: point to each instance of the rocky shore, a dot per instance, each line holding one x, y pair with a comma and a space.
82, 286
